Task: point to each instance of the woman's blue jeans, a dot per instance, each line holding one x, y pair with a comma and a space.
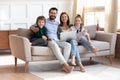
74, 50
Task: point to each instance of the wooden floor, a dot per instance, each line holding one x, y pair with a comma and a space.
9, 72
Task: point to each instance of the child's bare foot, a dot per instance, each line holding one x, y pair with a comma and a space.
95, 50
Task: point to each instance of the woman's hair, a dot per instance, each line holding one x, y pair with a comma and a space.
40, 18
68, 21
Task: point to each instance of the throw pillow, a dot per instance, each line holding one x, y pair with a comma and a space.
91, 30
24, 32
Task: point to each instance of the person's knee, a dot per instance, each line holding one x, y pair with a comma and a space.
52, 44
72, 41
67, 44
83, 39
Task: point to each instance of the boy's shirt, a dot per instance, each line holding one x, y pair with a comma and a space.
41, 32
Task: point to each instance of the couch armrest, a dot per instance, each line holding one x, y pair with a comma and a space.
108, 37
20, 47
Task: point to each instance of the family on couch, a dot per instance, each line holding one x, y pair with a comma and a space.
46, 31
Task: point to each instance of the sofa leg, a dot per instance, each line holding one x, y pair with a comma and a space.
26, 66
110, 59
15, 62
90, 60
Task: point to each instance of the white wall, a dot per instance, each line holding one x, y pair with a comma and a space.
23, 13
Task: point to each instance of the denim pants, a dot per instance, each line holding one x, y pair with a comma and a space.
74, 50
86, 44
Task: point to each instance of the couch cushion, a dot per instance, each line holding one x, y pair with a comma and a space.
41, 50
101, 45
24, 32
91, 30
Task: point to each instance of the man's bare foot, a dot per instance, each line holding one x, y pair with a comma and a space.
67, 68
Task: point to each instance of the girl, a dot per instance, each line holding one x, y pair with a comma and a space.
82, 36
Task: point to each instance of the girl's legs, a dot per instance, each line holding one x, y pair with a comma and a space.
88, 45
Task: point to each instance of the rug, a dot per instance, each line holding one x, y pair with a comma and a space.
51, 71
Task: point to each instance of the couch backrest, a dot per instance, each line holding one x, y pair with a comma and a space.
24, 32
27, 32
91, 30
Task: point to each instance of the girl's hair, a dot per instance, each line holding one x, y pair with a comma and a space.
40, 18
79, 16
68, 21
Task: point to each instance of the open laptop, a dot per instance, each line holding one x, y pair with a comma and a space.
67, 35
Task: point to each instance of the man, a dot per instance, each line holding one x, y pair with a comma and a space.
53, 41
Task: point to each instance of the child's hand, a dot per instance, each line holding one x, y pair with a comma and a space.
90, 41
44, 37
85, 30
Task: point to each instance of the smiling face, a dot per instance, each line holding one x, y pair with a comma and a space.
52, 14
64, 18
77, 21
41, 23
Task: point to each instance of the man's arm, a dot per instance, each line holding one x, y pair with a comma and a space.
33, 28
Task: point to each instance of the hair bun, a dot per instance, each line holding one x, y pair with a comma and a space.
78, 15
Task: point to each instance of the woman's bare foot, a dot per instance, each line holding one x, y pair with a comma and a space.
82, 69
73, 60
67, 68
73, 63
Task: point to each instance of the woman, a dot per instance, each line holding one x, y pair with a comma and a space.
65, 26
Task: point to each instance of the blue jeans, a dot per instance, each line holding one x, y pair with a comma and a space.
74, 50
85, 43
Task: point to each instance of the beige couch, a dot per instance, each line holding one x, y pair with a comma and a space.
21, 48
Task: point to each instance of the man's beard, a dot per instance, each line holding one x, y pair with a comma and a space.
52, 17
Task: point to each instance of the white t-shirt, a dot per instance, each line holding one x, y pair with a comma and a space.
79, 34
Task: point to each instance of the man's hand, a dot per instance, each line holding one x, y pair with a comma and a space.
34, 29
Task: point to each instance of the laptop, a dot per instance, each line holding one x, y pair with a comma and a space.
67, 35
